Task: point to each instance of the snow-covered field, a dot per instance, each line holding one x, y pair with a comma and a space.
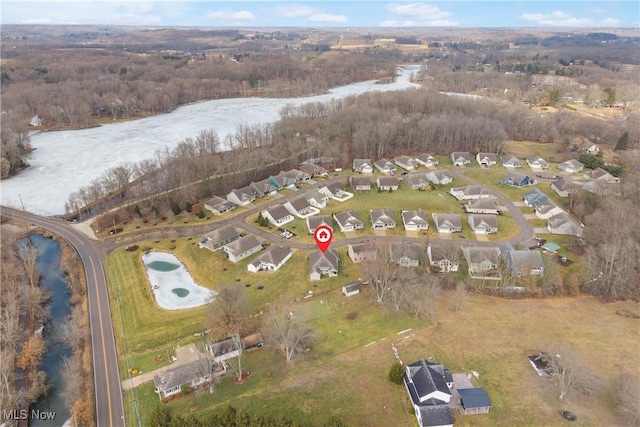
67, 160
163, 282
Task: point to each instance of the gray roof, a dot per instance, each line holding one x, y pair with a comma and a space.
488, 220
562, 223
436, 415
426, 380
319, 259
388, 181
218, 203
465, 155
385, 215
416, 216
474, 397
382, 163
404, 250
597, 174
565, 184
244, 193
300, 203
444, 218
348, 217
510, 158
356, 181
274, 255
181, 374
426, 157
545, 206
358, 163
478, 254
243, 244
316, 221
364, 247
471, 190
517, 259
536, 159
492, 157
485, 203
418, 179
572, 163
314, 194
278, 212
222, 234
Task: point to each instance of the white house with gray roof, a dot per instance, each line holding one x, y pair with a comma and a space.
571, 166
348, 221
430, 393
460, 158
482, 206
382, 219
483, 224
405, 162
316, 221
482, 261
271, 259
537, 163
415, 220
323, 264
277, 215
510, 161
385, 166
564, 224
441, 177
469, 192
387, 183
219, 237
301, 208
242, 248
242, 196
363, 166
416, 181
447, 223
218, 205
486, 159
522, 263
427, 160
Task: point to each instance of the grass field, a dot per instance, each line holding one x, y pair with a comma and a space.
341, 376
524, 149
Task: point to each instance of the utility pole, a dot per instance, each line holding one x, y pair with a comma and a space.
21, 203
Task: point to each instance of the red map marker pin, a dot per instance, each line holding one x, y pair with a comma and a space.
323, 237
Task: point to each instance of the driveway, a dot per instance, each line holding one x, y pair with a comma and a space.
185, 354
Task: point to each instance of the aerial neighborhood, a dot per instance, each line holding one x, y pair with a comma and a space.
320, 224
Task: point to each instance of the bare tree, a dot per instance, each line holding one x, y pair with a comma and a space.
28, 254
229, 312
283, 329
381, 273
569, 371
421, 296
73, 382
460, 297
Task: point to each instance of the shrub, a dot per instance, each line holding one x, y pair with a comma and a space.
201, 214
176, 208
396, 373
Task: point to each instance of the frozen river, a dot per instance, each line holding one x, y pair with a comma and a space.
67, 160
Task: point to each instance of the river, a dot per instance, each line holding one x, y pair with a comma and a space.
66, 160
48, 264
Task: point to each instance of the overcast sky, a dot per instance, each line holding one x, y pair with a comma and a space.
346, 13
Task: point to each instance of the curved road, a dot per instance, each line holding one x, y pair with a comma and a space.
106, 377
108, 390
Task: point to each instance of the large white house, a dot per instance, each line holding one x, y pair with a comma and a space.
271, 260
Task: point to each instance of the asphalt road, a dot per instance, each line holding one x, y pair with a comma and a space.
108, 391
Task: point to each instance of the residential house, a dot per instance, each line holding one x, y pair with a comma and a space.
547, 208
313, 170
415, 220
263, 188
388, 183
335, 191
427, 160
382, 219
192, 374
600, 186
316, 199
429, 393
522, 263
350, 290
323, 264
469, 192
482, 206
301, 207
35, 121
242, 196
217, 238
314, 222
442, 177
534, 197
537, 163
385, 166
564, 186
224, 350
297, 175
218, 205
362, 252
242, 248
571, 166
441, 258
516, 179
483, 224
405, 254
564, 224
416, 181
348, 221
482, 261
282, 180
593, 149
486, 159
362, 165
461, 158
360, 183
277, 215
509, 161
405, 162
474, 400
447, 223
601, 175
271, 260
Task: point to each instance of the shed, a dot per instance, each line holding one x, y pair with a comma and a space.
350, 290
474, 401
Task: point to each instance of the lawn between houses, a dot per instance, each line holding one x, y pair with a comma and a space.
491, 336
